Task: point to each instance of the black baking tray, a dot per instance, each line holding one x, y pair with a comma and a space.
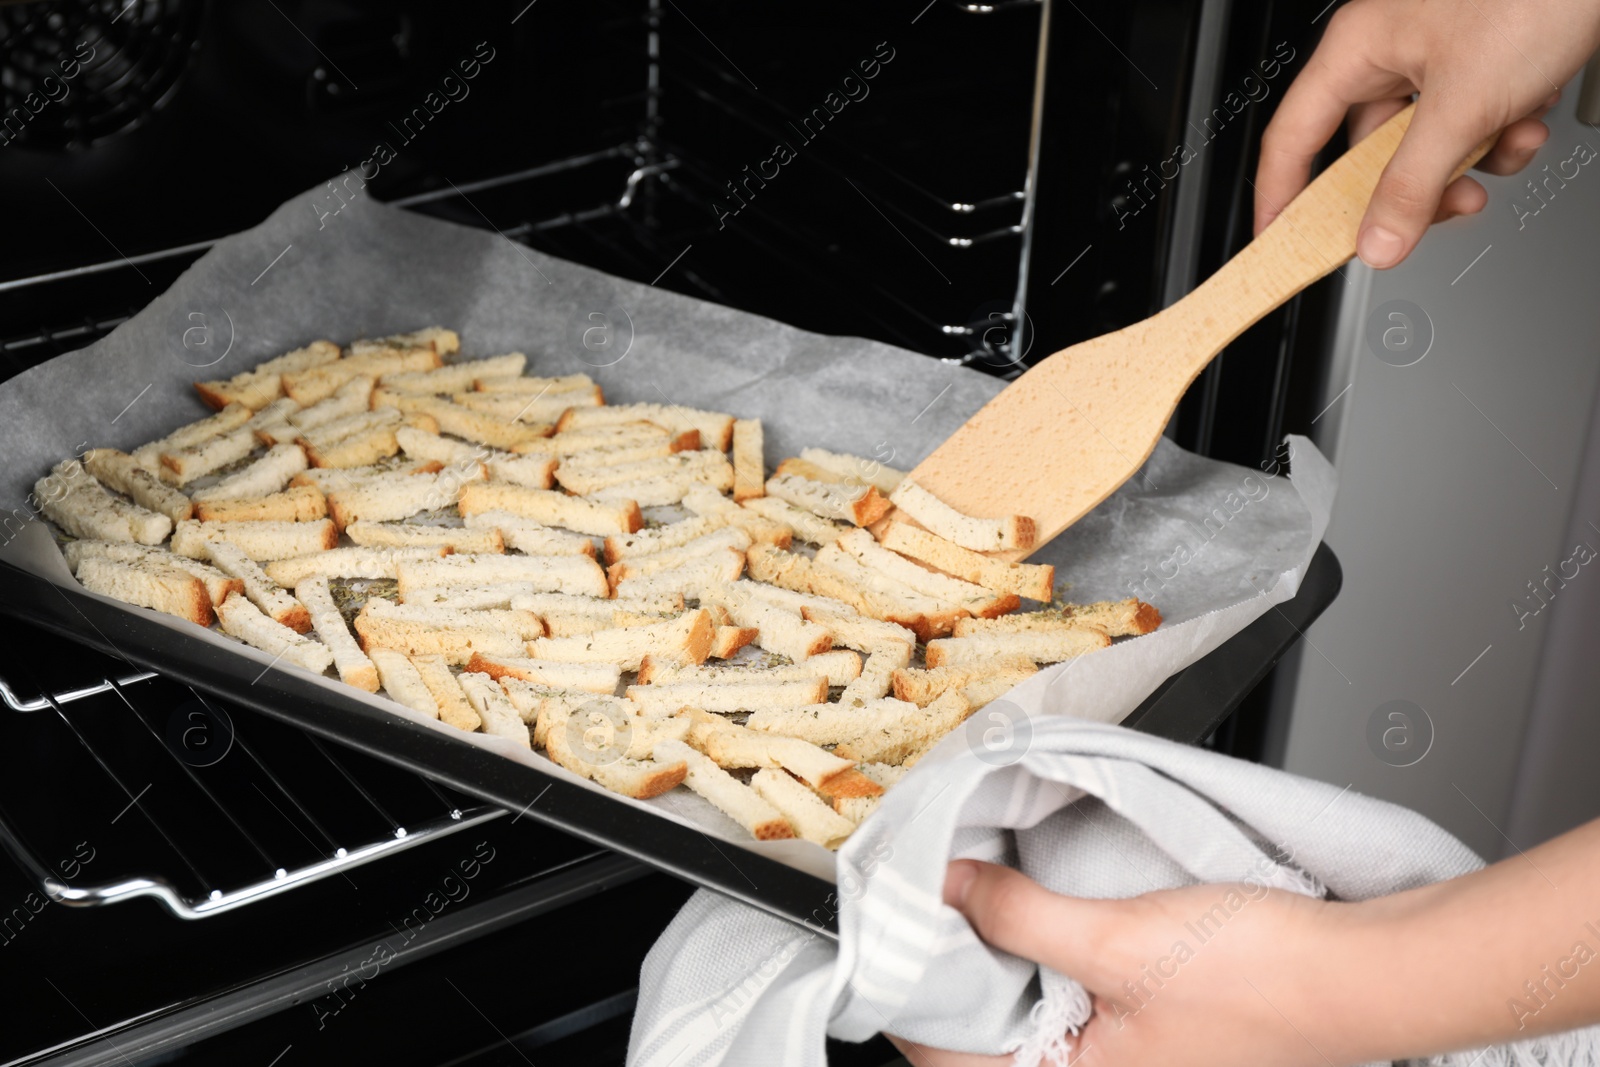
1186, 708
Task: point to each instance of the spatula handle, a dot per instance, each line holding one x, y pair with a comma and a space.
1313, 236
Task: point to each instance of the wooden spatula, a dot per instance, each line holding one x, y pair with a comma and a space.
1065, 435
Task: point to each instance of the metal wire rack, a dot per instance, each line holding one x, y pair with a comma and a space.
215, 837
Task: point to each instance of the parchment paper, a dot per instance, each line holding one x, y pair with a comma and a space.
1211, 544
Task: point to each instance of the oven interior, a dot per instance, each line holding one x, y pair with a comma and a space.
194, 882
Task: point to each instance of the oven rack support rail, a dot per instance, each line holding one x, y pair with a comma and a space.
219, 900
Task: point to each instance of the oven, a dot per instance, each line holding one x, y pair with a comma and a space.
985, 183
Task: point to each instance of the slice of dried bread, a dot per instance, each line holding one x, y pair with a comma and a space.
265, 476
121, 472
600, 678
1041, 647
971, 598
402, 681
884, 479
555, 574
455, 377
303, 503
499, 716
358, 562
707, 503
812, 819
457, 645
839, 667
861, 504
979, 534
218, 585
69, 497
688, 638
262, 591
409, 535
551, 508
716, 429
227, 420
923, 687
148, 584
726, 793
353, 665
530, 537
261, 541
261, 385
451, 700
1036, 581
242, 619
809, 527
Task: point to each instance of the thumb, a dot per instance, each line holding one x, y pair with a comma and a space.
1408, 193
1014, 913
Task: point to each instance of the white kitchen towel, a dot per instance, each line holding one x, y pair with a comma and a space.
1084, 808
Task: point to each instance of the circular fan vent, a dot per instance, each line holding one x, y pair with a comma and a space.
75, 71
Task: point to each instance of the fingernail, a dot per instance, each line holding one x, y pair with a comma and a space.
957, 880
1379, 248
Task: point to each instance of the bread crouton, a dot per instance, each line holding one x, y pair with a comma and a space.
401, 680
218, 585
242, 619
353, 665
261, 385
121, 472
1047, 647
551, 508
556, 574
148, 584
749, 466
303, 503
687, 637
716, 429
184, 465
267, 475
358, 562
261, 541
1031, 580
455, 377
74, 501
862, 504
925, 686
262, 591
227, 420
979, 534
726, 793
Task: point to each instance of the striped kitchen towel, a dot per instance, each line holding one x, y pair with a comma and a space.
1086, 809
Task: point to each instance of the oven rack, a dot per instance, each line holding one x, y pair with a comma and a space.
680, 183
611, 229
180, 882
659, 197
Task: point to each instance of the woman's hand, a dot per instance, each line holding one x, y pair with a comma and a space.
1210, 974
1240, 975
1478, 66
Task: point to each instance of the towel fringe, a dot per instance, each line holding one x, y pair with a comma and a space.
1060, 1014
1057, 1018
1574, 1048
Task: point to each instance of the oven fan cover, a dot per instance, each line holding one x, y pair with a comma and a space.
76, 71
